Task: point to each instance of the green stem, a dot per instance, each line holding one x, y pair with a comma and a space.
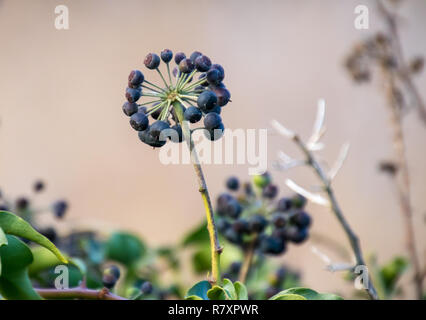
170, 77
154, 85
215, 247
193, 85
161, 75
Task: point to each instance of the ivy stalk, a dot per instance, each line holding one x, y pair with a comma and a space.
215, 247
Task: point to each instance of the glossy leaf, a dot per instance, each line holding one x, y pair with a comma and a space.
14, 281
218, 293
241, 291
229, 288
287, 296
14, 225
307, 293
125, 248
199, 290
197, 236
45, 259
3, 242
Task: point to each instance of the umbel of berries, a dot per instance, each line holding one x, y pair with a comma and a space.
191, 90
251, 216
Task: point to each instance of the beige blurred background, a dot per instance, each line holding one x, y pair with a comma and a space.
61, 119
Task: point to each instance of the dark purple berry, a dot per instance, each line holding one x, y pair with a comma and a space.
222, 225
193, 114
195, 55
139, 121
240, 226
60, 208
22, 203
270, 191
203, 63
157, 127
38, 186
233, 209
146, 287
130, 108
152, 61
212, 121
207, 100
233, 183
284, 204
146, 137
135, 78
186, 66
235, 267
222, 201
133, 94
166, 55
179, 57
4, 207
216, 109
296, 235
213, 77
272, 245
257, 223
223, 95
215, 134
220, 69
301, 219
279, 220
177, 134
232, 236
110, 276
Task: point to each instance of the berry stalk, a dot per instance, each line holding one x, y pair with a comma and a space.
215, 247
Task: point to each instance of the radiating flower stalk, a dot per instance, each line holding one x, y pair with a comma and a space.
384, 51
184, 100
325, 178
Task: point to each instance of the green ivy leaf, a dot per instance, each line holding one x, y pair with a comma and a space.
241, 290
198, 235
287, 296
218, 293
198, 291
391, 273
14, 225
308, 294
125, 248
3, 242
14, 281
228, 286
45, 259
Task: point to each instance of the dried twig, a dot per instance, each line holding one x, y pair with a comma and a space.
391, 77
325, 180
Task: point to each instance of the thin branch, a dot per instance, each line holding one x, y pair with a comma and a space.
403, 70
352, 237
78, 293
402, 176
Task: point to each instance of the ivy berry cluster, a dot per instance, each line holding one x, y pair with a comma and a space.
252, 218
193, 90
